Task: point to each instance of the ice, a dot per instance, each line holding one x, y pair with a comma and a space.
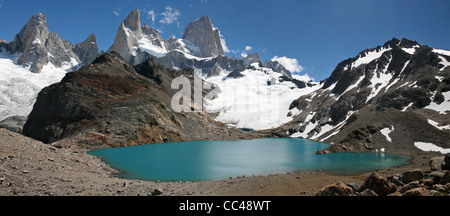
249, 102
19, 87
431, 147
146, 45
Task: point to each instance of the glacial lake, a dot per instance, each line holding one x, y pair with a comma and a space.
215, 160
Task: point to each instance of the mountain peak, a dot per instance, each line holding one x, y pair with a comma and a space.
133, 20
405, 43
202, 34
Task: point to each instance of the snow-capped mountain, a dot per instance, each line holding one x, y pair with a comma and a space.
250, 94
390, 97
34, 59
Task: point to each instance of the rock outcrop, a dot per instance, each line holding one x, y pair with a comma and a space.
40, 47
127, 37
111, 103
202, 34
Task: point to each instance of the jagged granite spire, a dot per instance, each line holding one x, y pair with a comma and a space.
127, 37
203, 35
39, 47
87, 50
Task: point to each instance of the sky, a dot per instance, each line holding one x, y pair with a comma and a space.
311, 36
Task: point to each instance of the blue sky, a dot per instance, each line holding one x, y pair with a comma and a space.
317, 33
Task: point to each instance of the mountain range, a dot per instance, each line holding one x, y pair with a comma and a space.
391, 98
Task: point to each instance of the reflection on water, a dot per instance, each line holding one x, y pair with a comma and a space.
211, 160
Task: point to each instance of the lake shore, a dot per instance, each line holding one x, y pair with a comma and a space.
31, 168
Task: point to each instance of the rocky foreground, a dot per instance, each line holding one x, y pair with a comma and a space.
411, 183
32, 168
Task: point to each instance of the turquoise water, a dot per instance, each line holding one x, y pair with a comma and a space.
213, 160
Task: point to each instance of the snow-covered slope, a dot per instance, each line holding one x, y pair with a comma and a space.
19, 87
34, 59
401, 85
257, 100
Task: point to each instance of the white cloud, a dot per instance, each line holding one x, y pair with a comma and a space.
151, 15
289, 63
224, 45
170, 15
248, 48
117, 10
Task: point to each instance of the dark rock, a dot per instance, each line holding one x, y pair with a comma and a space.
421, 191
87, 51
368, 192
409, 186
339, 189
157, 191
445, 179
378, 184
446, 166
436, 176
236, 74
415, 175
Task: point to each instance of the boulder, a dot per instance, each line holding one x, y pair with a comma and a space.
436, 176
445, 179
378, 184
368, 192
421, 191
412, 176
13, 123
436, 163
339, 189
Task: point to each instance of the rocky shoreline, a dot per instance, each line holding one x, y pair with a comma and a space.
32, 168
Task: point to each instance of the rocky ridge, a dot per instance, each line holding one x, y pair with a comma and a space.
199, 47
390, 98
38, 47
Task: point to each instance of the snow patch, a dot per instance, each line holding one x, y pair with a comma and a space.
37, 41
442, 108
370, 56
442, 52
249, 102
410, 51
436, 125
409, 105
146, 45
386, 132
443, 62
431, 147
